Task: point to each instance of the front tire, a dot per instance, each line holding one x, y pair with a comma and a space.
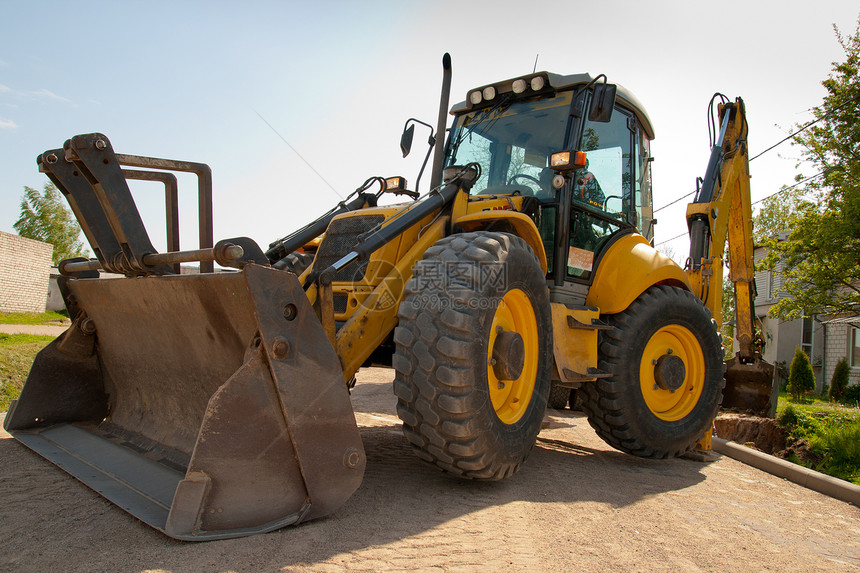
667, 375
473, 355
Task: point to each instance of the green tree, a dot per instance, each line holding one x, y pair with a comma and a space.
775, 214
45, 217
839, 382
822, 253
800, 377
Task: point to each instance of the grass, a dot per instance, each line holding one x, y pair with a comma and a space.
832, 431
17, 352
50, 317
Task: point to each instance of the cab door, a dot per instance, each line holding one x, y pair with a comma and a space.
602, 202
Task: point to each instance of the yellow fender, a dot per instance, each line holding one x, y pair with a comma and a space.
522, 224
627, 269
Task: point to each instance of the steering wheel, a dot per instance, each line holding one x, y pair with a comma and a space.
534, 180
525, 176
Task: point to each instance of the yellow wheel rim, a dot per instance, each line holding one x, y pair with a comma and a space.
678, 341
511, 398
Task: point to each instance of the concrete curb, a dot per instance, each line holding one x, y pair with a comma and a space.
39, 329
834, 487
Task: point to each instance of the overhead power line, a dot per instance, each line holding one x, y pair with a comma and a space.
810, 124
670, 240
753, 203
789, 188
296, 151
777, 144
675, 201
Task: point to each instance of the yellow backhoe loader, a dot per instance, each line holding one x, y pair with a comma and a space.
216, 404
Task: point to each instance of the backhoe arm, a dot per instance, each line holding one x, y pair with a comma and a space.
721, 213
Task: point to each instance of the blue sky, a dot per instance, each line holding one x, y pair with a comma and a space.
337, 79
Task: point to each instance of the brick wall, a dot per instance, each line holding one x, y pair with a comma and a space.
25, 266
838, 347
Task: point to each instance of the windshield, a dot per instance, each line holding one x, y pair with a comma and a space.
512, 143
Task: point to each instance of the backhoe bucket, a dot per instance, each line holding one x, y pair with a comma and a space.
209, 406
750, 387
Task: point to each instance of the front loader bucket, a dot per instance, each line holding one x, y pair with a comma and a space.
208, 406
750, 387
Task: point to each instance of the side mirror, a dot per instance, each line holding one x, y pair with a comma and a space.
602, 102
406, 140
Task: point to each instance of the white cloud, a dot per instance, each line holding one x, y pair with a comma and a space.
8, 124
41, 93
50, 95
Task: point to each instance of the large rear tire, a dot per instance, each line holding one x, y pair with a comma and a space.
667, 375
473, 355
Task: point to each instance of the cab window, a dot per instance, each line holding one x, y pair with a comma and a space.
644, 206
602, 194
605, 183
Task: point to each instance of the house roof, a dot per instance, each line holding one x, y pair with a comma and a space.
852, 320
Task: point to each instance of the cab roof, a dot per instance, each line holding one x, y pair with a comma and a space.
562, 83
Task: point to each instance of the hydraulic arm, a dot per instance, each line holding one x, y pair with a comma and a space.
720, 214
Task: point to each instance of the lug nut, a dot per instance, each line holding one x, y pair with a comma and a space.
351, 458
290, 311
88, 326
280, 347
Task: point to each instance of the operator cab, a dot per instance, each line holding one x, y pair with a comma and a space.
513, 128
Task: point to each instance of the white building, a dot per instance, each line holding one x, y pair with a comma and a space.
825, 339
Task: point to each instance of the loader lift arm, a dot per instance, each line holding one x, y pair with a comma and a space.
722, 213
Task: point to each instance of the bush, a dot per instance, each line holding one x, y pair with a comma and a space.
829, 431
788, 418
801, 380
839, 382
840, 447
852, 395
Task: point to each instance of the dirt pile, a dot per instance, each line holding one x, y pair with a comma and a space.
798, 451
766, 436
763, 433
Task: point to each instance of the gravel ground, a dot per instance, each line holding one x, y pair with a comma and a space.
575, 505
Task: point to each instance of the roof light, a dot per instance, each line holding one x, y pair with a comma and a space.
537, 83
567, 160
559, 159
519, 86
395, 184
489, 92
475, 97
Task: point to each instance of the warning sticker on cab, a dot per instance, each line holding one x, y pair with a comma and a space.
580, 259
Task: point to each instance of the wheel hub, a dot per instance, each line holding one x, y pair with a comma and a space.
509, 355
670, 372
